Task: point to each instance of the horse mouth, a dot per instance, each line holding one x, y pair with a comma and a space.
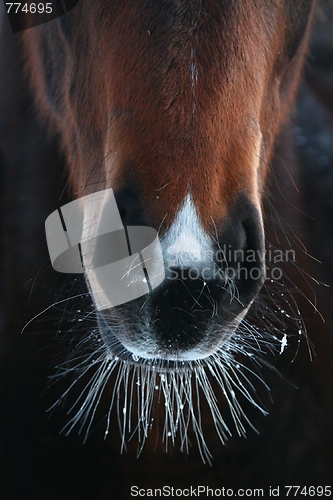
137, 346
142, 388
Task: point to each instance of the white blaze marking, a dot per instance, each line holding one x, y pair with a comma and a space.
186, 243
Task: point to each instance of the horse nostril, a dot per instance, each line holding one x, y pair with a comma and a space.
123, 212
129, 206
243, 259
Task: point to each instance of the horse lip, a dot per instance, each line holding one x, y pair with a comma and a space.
164, 357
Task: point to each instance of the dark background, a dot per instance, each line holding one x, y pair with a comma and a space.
295, 443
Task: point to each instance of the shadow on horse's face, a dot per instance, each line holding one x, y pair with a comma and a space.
176, 106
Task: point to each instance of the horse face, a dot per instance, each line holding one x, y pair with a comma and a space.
175, 106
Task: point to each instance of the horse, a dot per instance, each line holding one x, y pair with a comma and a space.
183, 110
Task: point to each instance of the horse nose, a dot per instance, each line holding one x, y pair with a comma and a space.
211, 278
207, 289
